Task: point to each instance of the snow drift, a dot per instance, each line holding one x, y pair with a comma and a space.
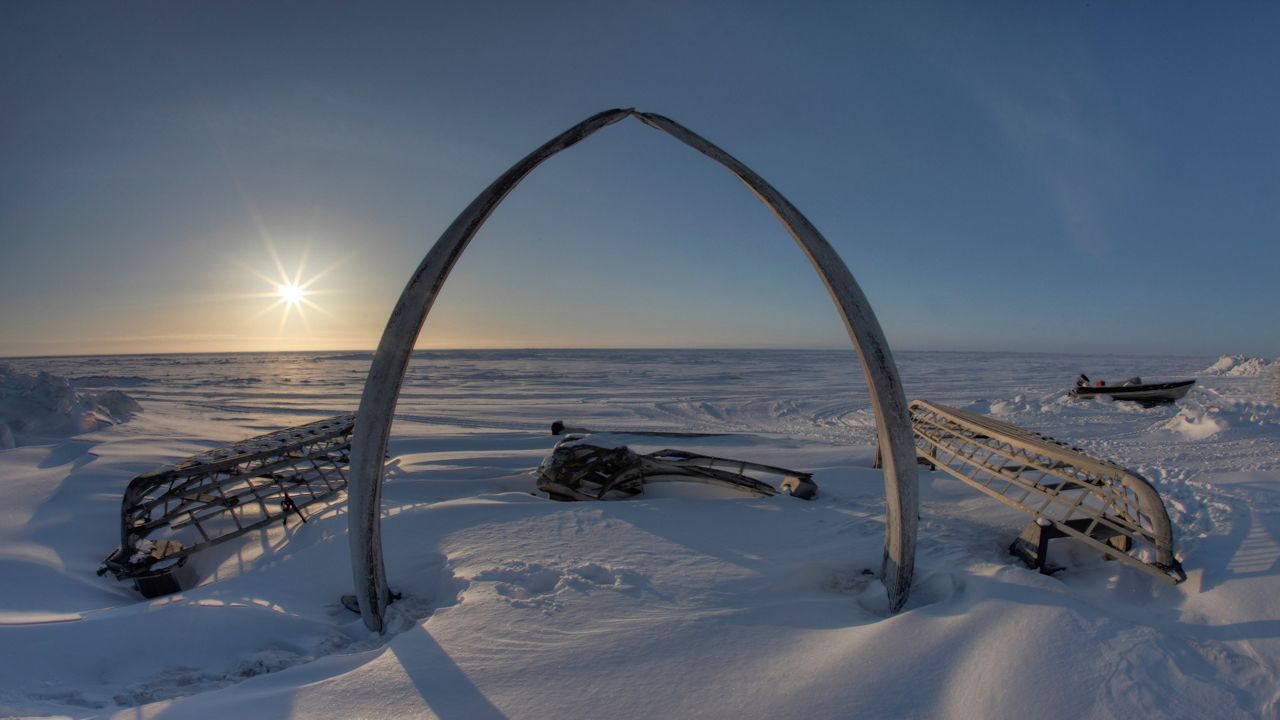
1240, 366
46, 405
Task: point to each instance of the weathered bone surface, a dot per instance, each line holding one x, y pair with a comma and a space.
888, 401
382, 388
581, 468
1078, 496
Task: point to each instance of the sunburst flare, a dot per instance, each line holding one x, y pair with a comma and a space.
290, 290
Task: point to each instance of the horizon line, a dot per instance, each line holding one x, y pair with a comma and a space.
578, 349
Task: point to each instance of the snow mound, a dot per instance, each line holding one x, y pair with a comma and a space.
1253, 367
1021, 404
46, 405
1014, 405
1195, 424
1199, 422
1238, 366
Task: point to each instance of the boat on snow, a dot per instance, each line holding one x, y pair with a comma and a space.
1133, 389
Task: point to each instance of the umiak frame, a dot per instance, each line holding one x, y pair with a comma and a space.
386, 374
1096, 502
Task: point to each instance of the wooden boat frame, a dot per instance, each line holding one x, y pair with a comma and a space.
1067, 493
202, 501
583, 467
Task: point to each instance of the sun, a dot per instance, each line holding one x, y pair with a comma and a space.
291, 293
290, 290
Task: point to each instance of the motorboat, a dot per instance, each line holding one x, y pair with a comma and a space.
1133, 389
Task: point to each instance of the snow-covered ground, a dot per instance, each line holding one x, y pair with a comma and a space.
679, 604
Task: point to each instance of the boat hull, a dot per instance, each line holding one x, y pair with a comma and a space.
1148, 394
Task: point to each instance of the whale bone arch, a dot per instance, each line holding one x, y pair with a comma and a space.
386, 373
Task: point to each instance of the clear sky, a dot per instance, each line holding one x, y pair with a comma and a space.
1064, 176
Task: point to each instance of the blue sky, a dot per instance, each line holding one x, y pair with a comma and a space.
1100, 177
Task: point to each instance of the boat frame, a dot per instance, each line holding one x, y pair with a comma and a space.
1067, 493
581, 468
199, 502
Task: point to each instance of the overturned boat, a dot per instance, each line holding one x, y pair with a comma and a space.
1067, 493
1133, 389
202, 501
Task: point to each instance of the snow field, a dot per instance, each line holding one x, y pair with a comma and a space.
683, 603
